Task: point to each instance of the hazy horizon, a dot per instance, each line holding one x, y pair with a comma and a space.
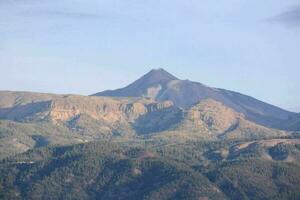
86, 47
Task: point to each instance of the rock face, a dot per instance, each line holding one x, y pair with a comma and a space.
214, 116
212, 119
106, 109
64, 108
97, 108
160, 85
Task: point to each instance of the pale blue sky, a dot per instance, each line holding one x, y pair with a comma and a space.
86, 46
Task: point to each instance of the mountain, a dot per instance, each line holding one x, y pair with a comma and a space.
150, 85
212, 119
19, 106
145, 146
31, 120
160, 85
294, 122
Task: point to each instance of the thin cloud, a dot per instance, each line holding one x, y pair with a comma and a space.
290, 17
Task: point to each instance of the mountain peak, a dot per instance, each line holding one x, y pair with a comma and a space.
152, 82
159, 75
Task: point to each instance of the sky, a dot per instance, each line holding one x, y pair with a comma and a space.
86, 46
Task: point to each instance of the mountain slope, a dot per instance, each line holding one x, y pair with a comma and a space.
85, 115
211, 119
62, 108
185, 93
126, 170
101, 171
294, 122
30, 120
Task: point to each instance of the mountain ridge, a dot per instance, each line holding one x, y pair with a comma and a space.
29, 119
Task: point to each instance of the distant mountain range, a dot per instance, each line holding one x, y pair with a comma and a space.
160, 85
